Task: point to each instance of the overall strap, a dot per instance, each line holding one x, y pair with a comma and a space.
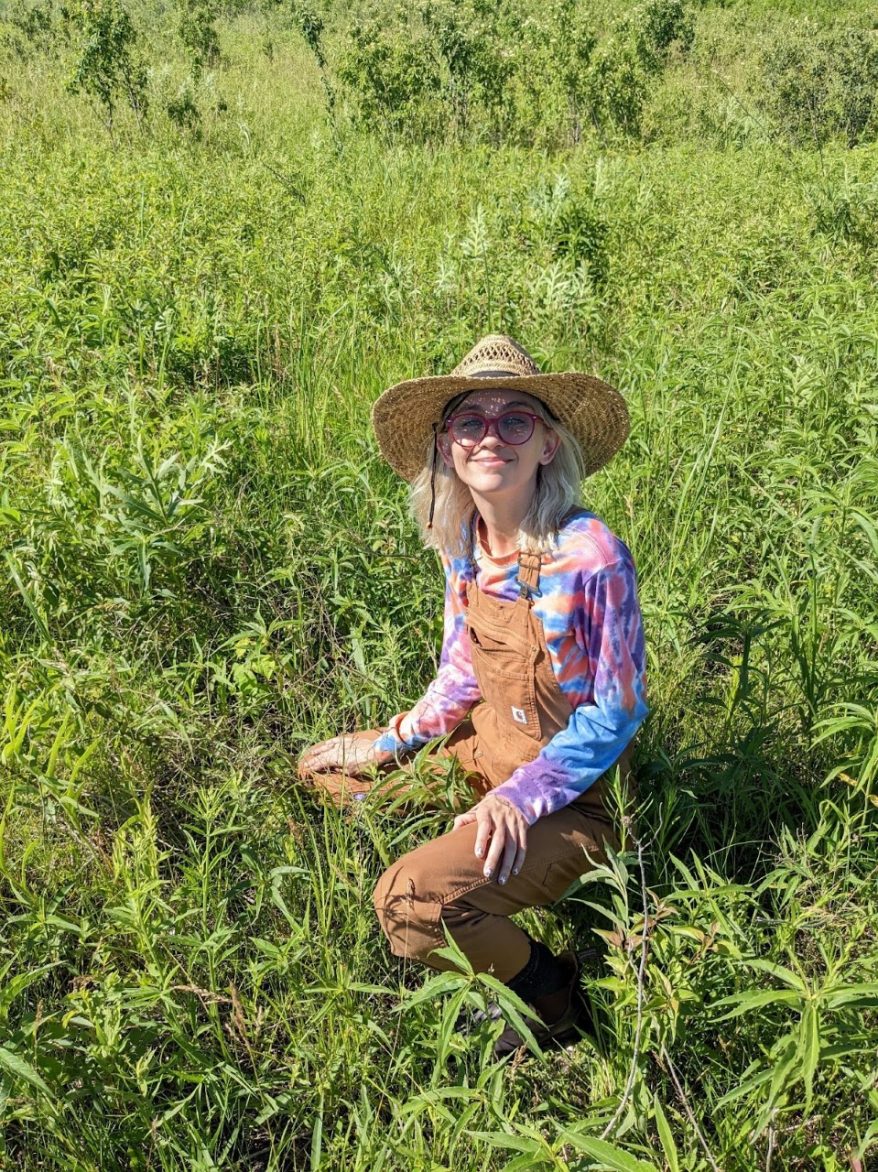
528, 580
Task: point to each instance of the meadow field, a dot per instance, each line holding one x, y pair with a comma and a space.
224, 229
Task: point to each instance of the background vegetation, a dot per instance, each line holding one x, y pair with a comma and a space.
223, 230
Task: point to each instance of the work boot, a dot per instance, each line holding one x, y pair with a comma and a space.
564, 1015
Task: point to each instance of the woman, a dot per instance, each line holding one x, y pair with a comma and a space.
541, 680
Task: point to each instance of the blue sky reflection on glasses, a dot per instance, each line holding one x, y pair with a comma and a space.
511, 426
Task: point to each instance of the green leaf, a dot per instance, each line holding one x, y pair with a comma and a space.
863, 995
666, 1136
26, 598
781, 1072
744, 1002
512, 1143
788, 977
607, 1153
15, 986
17, 1066
435, 988
514, 1010
746, 1086
809, 1038
526, 1163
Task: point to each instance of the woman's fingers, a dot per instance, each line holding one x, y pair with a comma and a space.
499, 840
464, 819
505, 849
485, 831
311, 755
315, 758
510, 853
520, 855
503, 844
495, 850
504, 828
349, 752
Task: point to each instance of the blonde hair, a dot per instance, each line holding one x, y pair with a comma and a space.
557, 492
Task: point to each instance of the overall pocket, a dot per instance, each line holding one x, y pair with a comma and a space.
505, 675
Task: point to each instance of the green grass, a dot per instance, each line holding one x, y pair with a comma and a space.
206, 567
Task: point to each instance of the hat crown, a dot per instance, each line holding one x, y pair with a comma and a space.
494, 356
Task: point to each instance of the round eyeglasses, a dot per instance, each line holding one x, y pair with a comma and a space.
469, 428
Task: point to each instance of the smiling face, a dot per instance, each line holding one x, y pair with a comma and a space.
492, 467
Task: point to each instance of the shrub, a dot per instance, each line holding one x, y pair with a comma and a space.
621, 70
552, 51
33, 28
508, 72
571, 42
198, 34
389, 75
474, 39
847, 210
183, 111
448, 67
311, 25
818, 84
657, 26
110, 67
616, 86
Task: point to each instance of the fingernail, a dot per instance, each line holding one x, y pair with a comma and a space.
502, 879
479, 852
487, 872
515, 870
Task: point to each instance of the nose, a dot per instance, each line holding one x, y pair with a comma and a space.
490, 442
492, 433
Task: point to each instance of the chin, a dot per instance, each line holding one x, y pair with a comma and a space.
488, 480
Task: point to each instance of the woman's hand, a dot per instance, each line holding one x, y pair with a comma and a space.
504, 827
351, 752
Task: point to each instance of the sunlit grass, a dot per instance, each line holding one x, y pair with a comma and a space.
206, 567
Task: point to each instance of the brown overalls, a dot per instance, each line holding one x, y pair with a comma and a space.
522, 708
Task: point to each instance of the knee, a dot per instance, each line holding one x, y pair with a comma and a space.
407, 910
381, 896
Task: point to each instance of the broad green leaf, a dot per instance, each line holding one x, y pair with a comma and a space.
666, 1136
512, 1143
809, 1036
746, 1086
744, 1002
615, 1158
777, 970
864, 995
436, 987
17, 1066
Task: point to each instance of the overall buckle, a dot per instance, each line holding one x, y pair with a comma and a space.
526, 591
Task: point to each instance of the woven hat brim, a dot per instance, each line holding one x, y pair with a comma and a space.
591, 409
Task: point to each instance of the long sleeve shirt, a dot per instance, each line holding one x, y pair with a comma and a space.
594, 635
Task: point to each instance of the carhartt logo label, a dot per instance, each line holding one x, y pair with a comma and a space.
518, 715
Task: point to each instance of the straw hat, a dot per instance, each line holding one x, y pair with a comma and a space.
403, 416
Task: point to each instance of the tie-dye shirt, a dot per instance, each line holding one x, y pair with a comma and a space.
594, 636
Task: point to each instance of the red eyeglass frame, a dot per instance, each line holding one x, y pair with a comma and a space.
492, 422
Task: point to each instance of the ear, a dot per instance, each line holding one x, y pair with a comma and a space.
443, 443
550, 446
